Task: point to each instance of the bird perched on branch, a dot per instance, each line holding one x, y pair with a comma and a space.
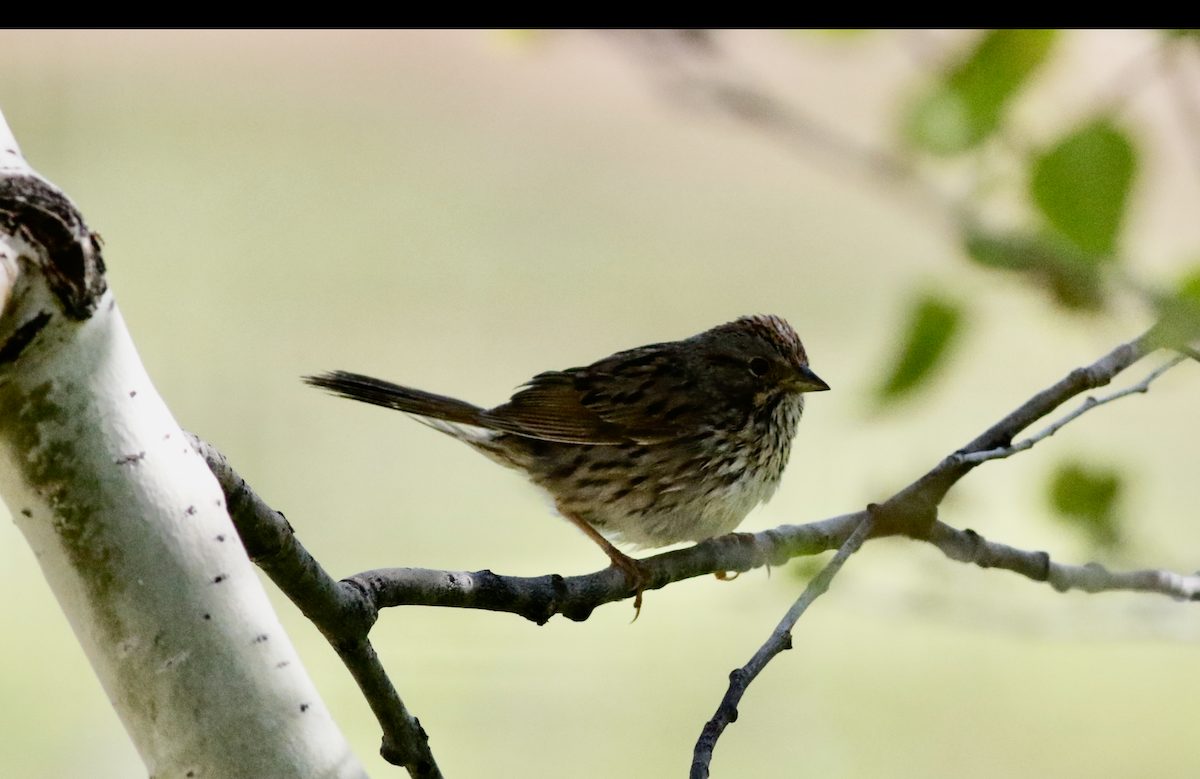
663, 443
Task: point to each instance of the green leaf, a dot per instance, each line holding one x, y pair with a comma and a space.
1179, 312
1086, 498
1071, 277
1082, 183
970, 103
933, 324
1010, 252
1189, 286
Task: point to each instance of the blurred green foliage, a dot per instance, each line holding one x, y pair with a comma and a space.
968, 105
1189, 286
1082, 183
1077, 190
1086, 498
933, 325
1073, 192
1071, 277
1179, 311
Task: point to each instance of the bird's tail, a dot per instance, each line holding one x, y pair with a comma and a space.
383, 393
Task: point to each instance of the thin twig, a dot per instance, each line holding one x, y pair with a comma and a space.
1080, 380
967, 546
913, 510
1090, 403
780, 640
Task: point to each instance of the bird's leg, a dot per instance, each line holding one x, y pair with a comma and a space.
637, 573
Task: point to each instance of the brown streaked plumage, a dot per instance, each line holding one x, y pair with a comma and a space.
663, 443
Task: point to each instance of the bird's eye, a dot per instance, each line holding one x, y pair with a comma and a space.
759, 366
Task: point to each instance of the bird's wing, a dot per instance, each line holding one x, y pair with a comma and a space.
640, 396
549, 408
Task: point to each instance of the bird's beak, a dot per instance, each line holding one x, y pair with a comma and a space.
807, 381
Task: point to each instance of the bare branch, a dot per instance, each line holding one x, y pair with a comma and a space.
1090, 403
1098, 374
538, 598
967, 546
340, 611
780, 640
913, 510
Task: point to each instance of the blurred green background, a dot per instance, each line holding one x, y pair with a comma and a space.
458, 211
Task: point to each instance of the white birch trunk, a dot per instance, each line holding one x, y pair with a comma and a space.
131, 532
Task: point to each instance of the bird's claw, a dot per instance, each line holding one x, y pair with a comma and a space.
638, 576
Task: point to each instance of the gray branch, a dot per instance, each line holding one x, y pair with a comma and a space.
780, 640
913, 512
340, 610
1090, 403
967, 546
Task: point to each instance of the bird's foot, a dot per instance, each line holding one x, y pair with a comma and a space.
638, 576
